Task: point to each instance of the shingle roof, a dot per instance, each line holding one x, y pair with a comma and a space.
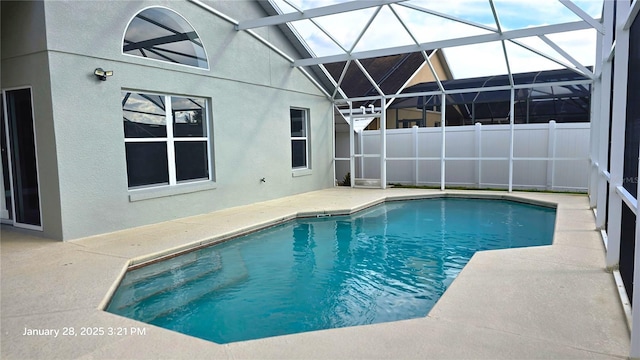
390, 72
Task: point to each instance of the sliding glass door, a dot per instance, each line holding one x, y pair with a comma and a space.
20, 203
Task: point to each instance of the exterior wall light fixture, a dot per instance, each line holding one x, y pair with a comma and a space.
102, 74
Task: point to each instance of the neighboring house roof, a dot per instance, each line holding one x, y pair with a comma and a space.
536, 77
390, 73
564, 103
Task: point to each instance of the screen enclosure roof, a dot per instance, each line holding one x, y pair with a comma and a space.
479, 38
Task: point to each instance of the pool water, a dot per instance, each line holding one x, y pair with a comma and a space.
389, 262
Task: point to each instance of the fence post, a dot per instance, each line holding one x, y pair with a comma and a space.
443, 124
551, 154
383, 143
361, 149
511, 136
352, 147
478, 132
415, 154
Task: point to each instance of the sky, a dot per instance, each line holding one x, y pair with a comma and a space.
464, 61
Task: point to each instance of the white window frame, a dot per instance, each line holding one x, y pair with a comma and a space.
170, 141
301, 169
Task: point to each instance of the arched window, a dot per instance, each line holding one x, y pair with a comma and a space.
162, 34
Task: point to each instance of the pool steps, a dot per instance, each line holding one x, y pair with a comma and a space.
158, 269
186, 275
236, 279
162, 283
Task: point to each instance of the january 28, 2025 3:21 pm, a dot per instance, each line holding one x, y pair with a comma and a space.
85, 331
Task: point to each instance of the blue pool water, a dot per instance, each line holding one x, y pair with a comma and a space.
389, 262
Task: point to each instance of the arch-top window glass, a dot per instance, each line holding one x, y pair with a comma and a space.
161, 34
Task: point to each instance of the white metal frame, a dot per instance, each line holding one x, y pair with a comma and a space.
495, 33
13, 220
610, 116
609, 54
601, 109
618, 120
351, 115
470, 40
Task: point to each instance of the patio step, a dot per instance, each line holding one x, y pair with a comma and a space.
374, 183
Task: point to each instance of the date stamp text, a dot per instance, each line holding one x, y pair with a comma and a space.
85, 331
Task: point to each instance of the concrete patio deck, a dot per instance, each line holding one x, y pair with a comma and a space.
551, 302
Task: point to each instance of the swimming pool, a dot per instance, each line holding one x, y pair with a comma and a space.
386, 263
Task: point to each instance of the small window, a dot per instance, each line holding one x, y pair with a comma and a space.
161, 34
166, 139
299, 138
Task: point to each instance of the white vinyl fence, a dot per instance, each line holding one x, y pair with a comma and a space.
545, 156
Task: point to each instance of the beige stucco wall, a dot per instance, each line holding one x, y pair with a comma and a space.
425, 74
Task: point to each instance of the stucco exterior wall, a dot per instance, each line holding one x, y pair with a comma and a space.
250, 88
25, 64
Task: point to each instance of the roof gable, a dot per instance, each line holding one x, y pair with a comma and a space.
390, 73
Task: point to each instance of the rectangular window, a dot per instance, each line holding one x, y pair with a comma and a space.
299, 138
166, 139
